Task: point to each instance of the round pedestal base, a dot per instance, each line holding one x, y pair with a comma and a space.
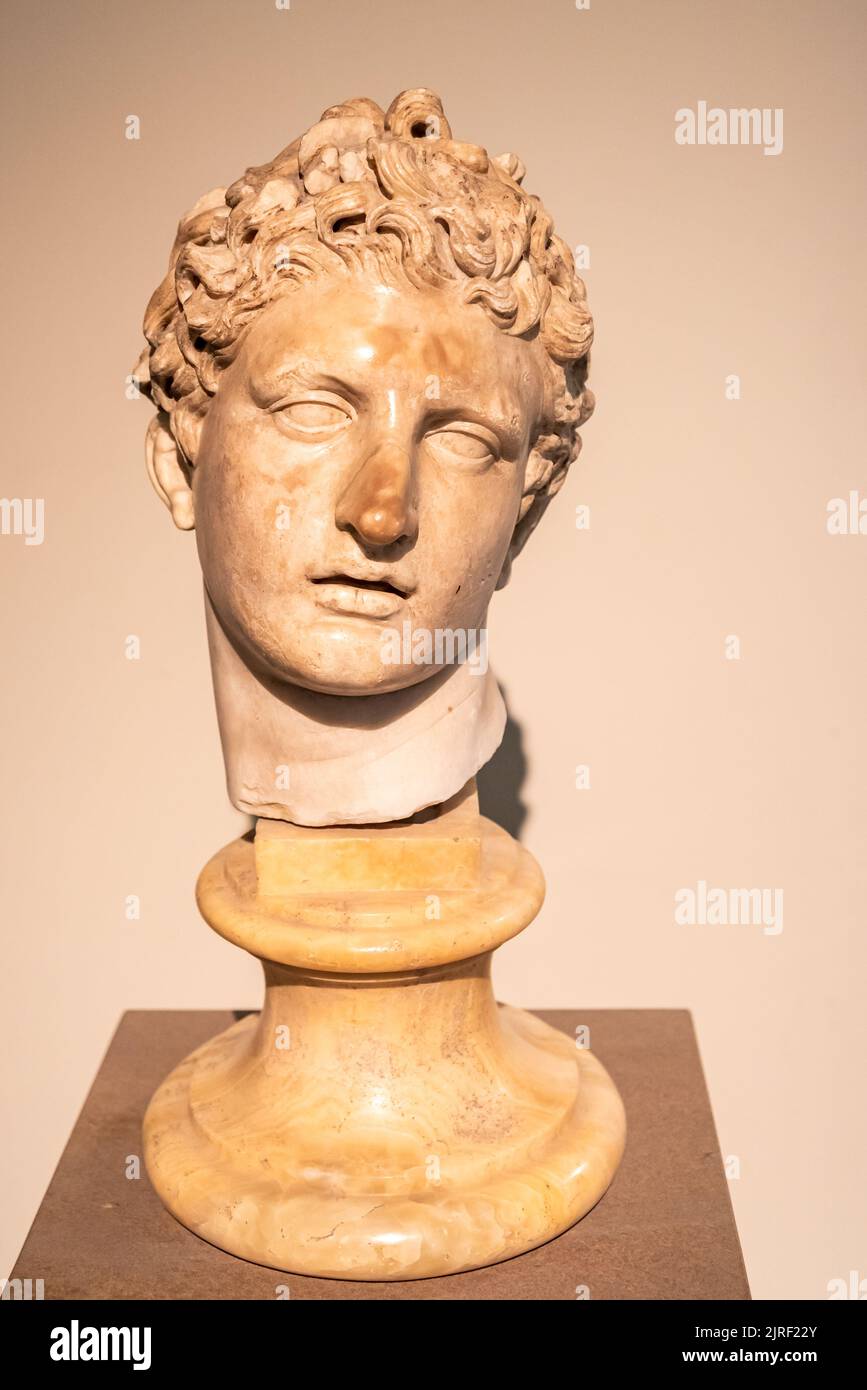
484, 1135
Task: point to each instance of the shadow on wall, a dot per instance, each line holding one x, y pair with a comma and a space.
501, 781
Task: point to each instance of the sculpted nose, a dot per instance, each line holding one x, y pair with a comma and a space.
378, 503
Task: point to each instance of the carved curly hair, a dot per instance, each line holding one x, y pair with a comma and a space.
387, 194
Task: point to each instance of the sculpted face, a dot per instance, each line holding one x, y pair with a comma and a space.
361, 467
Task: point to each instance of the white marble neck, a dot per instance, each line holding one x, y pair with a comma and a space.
293, 754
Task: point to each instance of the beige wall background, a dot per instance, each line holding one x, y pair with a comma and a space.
708, 519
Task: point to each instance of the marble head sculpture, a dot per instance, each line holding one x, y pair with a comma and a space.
369, 361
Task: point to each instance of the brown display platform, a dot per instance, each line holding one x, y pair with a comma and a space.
664, 1230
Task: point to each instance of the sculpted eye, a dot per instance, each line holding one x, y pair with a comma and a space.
313, 416
465, 443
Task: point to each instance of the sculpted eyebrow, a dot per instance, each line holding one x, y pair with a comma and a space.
304, 374
457, 408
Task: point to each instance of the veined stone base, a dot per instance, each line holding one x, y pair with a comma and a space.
411, 1205
375, 1122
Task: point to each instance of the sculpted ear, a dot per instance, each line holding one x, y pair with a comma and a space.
169, 473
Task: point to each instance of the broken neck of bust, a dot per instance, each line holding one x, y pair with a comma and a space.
316, 759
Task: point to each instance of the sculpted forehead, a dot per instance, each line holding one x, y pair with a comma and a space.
369, 336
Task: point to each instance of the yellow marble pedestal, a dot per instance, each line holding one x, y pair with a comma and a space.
383, 1118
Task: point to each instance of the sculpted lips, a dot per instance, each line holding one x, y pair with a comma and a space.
377, 597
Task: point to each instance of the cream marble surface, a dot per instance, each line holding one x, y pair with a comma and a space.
369, 359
